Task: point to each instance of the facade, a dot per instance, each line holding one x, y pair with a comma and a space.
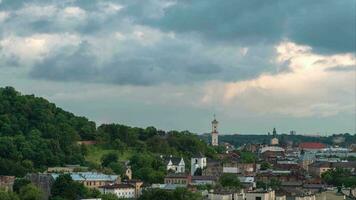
197, 162
125, 191
214, 133
174, 164
92, 179
42, 181
239, 168
7, 182
204, 180
178, 179
137, 184
261, 195
226, 195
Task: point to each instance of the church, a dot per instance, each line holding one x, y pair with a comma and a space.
214, 133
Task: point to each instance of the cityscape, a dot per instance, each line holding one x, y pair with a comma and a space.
177, 100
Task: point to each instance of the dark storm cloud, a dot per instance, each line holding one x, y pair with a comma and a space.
208, 36
326, 25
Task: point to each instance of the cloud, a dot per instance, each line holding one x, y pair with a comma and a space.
310, 88
327, 26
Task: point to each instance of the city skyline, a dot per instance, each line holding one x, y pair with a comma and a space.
173, 64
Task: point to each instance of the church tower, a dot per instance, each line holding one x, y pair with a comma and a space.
214, 133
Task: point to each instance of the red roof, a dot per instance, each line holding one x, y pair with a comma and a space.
312, 145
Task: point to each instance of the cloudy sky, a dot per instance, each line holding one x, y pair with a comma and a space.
174, 63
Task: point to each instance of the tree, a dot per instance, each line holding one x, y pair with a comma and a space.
109, 196
109, 158
230, 181
19, 183
177, 194
265, 166
30, 192
5, 195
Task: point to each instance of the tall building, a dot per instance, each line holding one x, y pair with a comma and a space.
274, 140
214, 133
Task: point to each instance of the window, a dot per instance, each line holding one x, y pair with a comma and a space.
258, 198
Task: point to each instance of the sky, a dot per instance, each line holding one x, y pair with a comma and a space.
173, 64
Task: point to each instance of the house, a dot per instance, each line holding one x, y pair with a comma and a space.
261, 195
239, 168
226, 195
7, 182
137, 184
311, 146
178, 179
317, 168
92, 179
198, 162
121, 190
174, 164
204, 180
213, 168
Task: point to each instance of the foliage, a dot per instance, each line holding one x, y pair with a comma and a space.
35, 134
248, 157
230, 181
177, 194
109, 196
265, 166
109, 158
147, 167
6, 195
30, 192
19, 183
272, 183
65, 187
339, 177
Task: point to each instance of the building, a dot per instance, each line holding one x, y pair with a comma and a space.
178, 179
137, 184
261, 195
174, 164
274, 140
239, 168
42, 181
293, 132
125, 191
204, 180
198, 162
128, 172
317, 168
213, 168
214, 133
92, 179
7, 182
311, 146
226, 195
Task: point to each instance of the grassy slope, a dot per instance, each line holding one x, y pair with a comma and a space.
95, 153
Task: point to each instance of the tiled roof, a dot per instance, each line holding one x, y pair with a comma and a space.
89, 176
118, 186
312, 145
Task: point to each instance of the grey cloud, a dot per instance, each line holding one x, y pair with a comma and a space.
328, 26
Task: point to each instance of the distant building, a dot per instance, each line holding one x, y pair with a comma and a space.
122, 191
7, 182
214, 133
261, 195
92, 179
311, 146
274, 140
204, 180
178, 179
137, 184
198, 162
226, 195
213, 168
317, 168
174, 164
293, 133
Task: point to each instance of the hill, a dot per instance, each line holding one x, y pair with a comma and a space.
35, 134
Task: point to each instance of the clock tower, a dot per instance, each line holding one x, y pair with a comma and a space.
214, 133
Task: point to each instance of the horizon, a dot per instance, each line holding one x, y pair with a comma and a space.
174, 64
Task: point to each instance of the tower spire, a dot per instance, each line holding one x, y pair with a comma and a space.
214, 132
